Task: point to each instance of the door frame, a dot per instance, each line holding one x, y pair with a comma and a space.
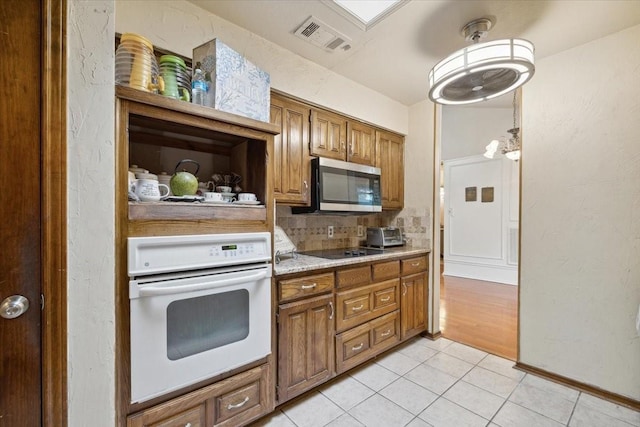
54, 212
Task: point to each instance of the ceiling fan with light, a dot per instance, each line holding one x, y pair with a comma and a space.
481, 71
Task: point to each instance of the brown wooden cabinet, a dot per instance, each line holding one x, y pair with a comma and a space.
390, 160
305, 345
291, 170
360, 143
231, 402
338, 137
328, 135
414, 297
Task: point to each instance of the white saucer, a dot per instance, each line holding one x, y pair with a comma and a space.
247, 202
228, 194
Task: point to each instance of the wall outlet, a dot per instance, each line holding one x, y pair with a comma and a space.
360, 231
330, 231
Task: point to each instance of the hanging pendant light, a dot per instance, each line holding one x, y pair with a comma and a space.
481, 71
511, 147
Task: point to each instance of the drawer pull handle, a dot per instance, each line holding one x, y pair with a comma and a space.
357, 347
238, 405
331, 307
311, 286
404, 288
358, 308
385, 299
187, 425
385, 333
415, 264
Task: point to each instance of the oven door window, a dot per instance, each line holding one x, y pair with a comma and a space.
196, 325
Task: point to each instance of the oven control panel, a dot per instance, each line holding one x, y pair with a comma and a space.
162, 254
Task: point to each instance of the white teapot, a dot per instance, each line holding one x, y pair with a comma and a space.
148, 190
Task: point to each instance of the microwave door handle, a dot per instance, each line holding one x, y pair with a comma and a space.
155, 290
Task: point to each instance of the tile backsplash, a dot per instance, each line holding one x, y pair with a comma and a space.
309, 232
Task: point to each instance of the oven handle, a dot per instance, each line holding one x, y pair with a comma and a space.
151, 290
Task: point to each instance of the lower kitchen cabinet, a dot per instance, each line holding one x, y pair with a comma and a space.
305, 345
414, 296
234, 401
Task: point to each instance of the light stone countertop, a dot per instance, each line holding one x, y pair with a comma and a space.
304, 263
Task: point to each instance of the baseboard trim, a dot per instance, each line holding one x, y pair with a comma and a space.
607, 395
431, 336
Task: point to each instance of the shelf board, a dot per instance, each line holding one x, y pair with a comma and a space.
153, 99
194, 211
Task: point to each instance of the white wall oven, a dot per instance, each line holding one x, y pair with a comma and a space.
200, 306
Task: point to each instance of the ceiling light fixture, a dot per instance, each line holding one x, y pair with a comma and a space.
481, 71
511, 147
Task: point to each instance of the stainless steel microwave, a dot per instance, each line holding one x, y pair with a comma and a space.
345, 187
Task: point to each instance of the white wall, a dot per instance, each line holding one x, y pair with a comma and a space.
477, 242
580, 247
90, 166
466, 131
179, 26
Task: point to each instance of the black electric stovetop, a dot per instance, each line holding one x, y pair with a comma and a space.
343, 253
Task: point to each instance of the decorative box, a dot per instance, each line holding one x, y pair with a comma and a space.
235, 85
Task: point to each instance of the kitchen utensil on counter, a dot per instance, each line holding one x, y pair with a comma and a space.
217, 178
176, 79
149, 190
184, 183
136, 65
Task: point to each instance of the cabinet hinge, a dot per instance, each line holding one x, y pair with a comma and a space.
277, 318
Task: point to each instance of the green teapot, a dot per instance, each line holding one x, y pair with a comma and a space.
183, 183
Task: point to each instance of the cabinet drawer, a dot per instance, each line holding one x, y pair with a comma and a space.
353, 347
181, 411
305, 286
356, 306
385, 331
353, 276
385, 270
414, 265
242, 398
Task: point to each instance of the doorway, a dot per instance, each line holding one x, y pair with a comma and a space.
479, 205
33, 233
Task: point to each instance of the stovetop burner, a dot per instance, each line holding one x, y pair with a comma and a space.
343, 253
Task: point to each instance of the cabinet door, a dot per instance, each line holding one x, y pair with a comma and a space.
171, 414
390, 160
413, 305
328, 135
361, 144
306, 355
291, 162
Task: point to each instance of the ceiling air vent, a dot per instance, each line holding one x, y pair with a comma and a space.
320, 34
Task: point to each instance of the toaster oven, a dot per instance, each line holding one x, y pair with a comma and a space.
384, 237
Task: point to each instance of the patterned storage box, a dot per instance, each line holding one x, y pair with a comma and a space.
235, 84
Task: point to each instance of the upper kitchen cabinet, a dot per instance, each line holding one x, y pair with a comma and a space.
291, 170
360, 143
156, 133
338, 137
390, 160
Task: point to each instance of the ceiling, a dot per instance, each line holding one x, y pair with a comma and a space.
395, 55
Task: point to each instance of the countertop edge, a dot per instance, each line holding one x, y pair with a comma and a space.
305, 263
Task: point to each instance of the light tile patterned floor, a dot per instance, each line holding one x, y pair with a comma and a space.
447, 384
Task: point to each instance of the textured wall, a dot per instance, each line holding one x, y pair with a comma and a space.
91, 261
580, 241
180, 26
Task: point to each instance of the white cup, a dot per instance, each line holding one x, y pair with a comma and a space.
223, 189
210, 196
247, 197
228, 199
148, 190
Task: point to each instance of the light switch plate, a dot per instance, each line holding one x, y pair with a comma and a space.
360, 231
330, 231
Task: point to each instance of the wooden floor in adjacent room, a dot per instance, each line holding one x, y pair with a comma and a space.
481, 314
